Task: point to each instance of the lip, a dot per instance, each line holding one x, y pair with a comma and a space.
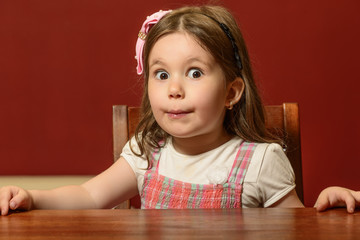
177, 114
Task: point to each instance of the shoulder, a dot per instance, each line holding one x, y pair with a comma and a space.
266, 156
136, 162
269, 177
275, 159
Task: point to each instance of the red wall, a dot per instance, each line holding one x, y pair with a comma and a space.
64, 63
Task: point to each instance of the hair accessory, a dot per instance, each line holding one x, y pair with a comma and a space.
233, 43
150, 20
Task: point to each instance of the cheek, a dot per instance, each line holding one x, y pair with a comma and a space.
211, 99
154, 99
151, 93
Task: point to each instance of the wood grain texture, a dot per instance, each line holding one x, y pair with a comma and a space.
256, 223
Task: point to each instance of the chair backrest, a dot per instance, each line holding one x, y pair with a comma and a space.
282, 120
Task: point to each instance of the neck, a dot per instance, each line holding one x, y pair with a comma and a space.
200, 144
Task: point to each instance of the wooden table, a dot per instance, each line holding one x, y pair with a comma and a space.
181, 224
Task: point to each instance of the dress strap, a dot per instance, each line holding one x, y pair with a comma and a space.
155, 156
241, 162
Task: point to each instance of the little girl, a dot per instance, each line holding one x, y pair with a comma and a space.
202, 141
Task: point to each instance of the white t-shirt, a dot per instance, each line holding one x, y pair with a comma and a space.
269, 177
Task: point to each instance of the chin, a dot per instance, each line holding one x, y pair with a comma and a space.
180, 134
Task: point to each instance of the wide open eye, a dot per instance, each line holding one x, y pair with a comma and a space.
194, 73
162, 75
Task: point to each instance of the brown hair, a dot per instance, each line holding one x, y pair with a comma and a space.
246, 119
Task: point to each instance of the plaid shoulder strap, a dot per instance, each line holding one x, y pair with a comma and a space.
241, 162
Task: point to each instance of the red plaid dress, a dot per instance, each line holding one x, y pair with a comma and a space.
161, 192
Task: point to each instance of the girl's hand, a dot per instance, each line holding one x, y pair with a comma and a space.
338, 197
12, 198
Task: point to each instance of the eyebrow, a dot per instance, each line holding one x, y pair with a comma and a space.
156, 62
189, 61
196, 59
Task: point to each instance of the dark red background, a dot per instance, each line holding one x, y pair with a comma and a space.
64, 63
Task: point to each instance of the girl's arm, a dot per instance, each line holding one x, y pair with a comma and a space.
114, 185
328, 198
291, 200
338, 197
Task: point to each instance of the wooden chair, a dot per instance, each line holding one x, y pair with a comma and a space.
282, 120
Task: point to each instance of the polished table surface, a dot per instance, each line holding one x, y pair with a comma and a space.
181, 224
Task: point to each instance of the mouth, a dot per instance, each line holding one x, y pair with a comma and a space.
177, 114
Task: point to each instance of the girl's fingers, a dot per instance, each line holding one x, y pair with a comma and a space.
356, 195
338, 197
322, 203
19, 201
349, 201
4, 208
13, 198
5, 196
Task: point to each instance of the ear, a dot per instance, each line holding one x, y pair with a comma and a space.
235, 90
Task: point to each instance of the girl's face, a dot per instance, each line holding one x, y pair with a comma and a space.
187, 90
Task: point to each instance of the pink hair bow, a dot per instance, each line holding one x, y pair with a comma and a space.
150, 20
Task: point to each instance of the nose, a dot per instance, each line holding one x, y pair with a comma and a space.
176, 89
